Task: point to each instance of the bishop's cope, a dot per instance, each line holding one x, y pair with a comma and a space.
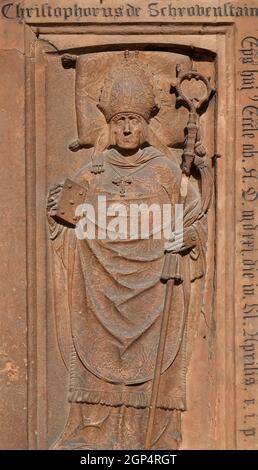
112, 288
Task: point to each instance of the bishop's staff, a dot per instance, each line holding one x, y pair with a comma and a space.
171, 270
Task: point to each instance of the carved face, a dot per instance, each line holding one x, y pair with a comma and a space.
128, 131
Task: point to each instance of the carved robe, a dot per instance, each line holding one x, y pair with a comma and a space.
109, 321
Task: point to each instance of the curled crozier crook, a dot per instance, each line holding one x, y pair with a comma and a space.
194, 151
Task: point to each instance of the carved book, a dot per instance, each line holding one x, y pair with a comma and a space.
129, 242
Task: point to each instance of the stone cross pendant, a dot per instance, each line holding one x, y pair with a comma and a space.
121, 183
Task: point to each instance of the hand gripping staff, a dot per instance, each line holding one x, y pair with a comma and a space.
171, 270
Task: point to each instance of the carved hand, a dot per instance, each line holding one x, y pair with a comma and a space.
182, 240
200, 149
52, 199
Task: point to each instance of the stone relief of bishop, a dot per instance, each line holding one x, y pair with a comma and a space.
109, 290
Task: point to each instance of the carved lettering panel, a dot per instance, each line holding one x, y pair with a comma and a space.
136, 187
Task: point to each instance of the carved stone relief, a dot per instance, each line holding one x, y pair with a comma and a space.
110, 125
128, 305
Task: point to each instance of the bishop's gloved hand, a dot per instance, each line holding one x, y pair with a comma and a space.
182, 240
52, 199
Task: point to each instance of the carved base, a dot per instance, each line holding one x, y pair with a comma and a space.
98, 427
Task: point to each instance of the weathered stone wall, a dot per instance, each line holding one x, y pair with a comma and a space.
39, 122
